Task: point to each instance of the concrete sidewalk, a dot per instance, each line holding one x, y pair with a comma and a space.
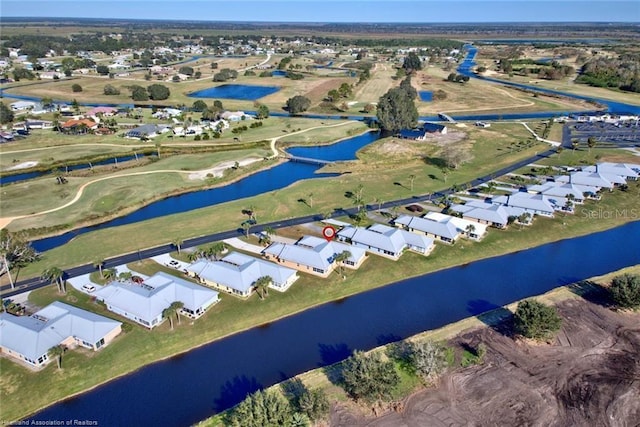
248, 247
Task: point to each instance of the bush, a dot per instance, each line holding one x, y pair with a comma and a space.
625, 290
368, 377
536, 320
76, 88
158, 92
298, 104
111, 90
262, 408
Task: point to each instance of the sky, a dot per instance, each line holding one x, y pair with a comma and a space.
422, 11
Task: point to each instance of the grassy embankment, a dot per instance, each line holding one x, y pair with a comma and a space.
383, 171
317, 378
24, 391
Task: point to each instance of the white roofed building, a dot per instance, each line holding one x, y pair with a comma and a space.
386, 241
29, 338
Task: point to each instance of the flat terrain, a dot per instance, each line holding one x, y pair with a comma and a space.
589, 375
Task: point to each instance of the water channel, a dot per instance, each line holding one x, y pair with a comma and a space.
207, 380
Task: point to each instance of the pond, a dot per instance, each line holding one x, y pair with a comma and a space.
425, 95
238, 92
189, 387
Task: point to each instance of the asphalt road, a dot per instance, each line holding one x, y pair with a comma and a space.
36, 282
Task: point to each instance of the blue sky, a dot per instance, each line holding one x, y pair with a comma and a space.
427, 11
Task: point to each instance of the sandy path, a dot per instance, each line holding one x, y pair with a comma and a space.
201, 174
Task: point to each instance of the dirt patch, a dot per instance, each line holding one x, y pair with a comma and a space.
409, 148
590, 375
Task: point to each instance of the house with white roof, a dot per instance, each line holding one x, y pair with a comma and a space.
558, 189
626, 171
22, 105
313, 255
443, 231
29, 338
534, 204
237, 274
144, 303
234, 116
597, 180
483, 213
386, 241
467, 228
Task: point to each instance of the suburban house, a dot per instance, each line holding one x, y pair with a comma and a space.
29, 338
420, 134
557, 189
78, 125
534, 204
627, 171
590, 179
313, 255
385, 241
234, 116
144, 302
237, 274
483, 213
105, 111
443, 231
146, 131
470, 229
22, 105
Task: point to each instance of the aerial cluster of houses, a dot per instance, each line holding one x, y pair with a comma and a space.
560, 194
278, 265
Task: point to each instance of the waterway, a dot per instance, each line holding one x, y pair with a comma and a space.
207, 380
264, 181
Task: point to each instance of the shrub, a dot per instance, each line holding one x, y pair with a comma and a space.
536, 320
625, 290
368, 377
111, 90
76, 88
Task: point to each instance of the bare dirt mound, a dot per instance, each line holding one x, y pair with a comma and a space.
590, 376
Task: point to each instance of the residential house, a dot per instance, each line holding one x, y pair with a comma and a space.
534, 204
470, 229
104, 111
589, 179
234, 116
144, 302
78, 125
29, 338
22, 105
557, 189
313, 255
420, 134
443, 231
483, 213
385, 241
237, 274
626, 171
146, 131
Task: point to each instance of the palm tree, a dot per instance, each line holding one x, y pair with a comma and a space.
378, 202
125, 275
177, 242
110, 273
195, 255
269, 231
167, 313
246, 227
177, 306
158, 146
262, 286
559, 150
470, 229
310, 197
574, 144
215, 250
54, 275
591, 142
252, 212
445, 173
56, 352
99, 263
411, 179
340, 260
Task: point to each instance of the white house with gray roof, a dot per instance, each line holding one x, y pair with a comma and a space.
237, 274
483, 213
144, 303
590, 179
558, 189
313, 255
470, 229
386, 241
626, 170
29, 338
534, 204
444, 231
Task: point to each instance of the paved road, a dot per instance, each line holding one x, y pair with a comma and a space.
36, 282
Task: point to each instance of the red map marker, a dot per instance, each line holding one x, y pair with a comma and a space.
329, 233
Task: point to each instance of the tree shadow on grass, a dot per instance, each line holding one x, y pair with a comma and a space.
435, 161
496, 317
592, 292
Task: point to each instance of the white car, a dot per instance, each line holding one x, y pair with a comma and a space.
173, 264
88, 288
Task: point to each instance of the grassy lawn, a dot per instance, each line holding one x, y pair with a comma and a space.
139, 347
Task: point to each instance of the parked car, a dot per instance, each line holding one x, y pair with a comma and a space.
415, 208
173, 264
88, 288
137, 279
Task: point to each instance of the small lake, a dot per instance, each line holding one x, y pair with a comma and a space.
239, 92
275, 178
187, 388
425, 95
